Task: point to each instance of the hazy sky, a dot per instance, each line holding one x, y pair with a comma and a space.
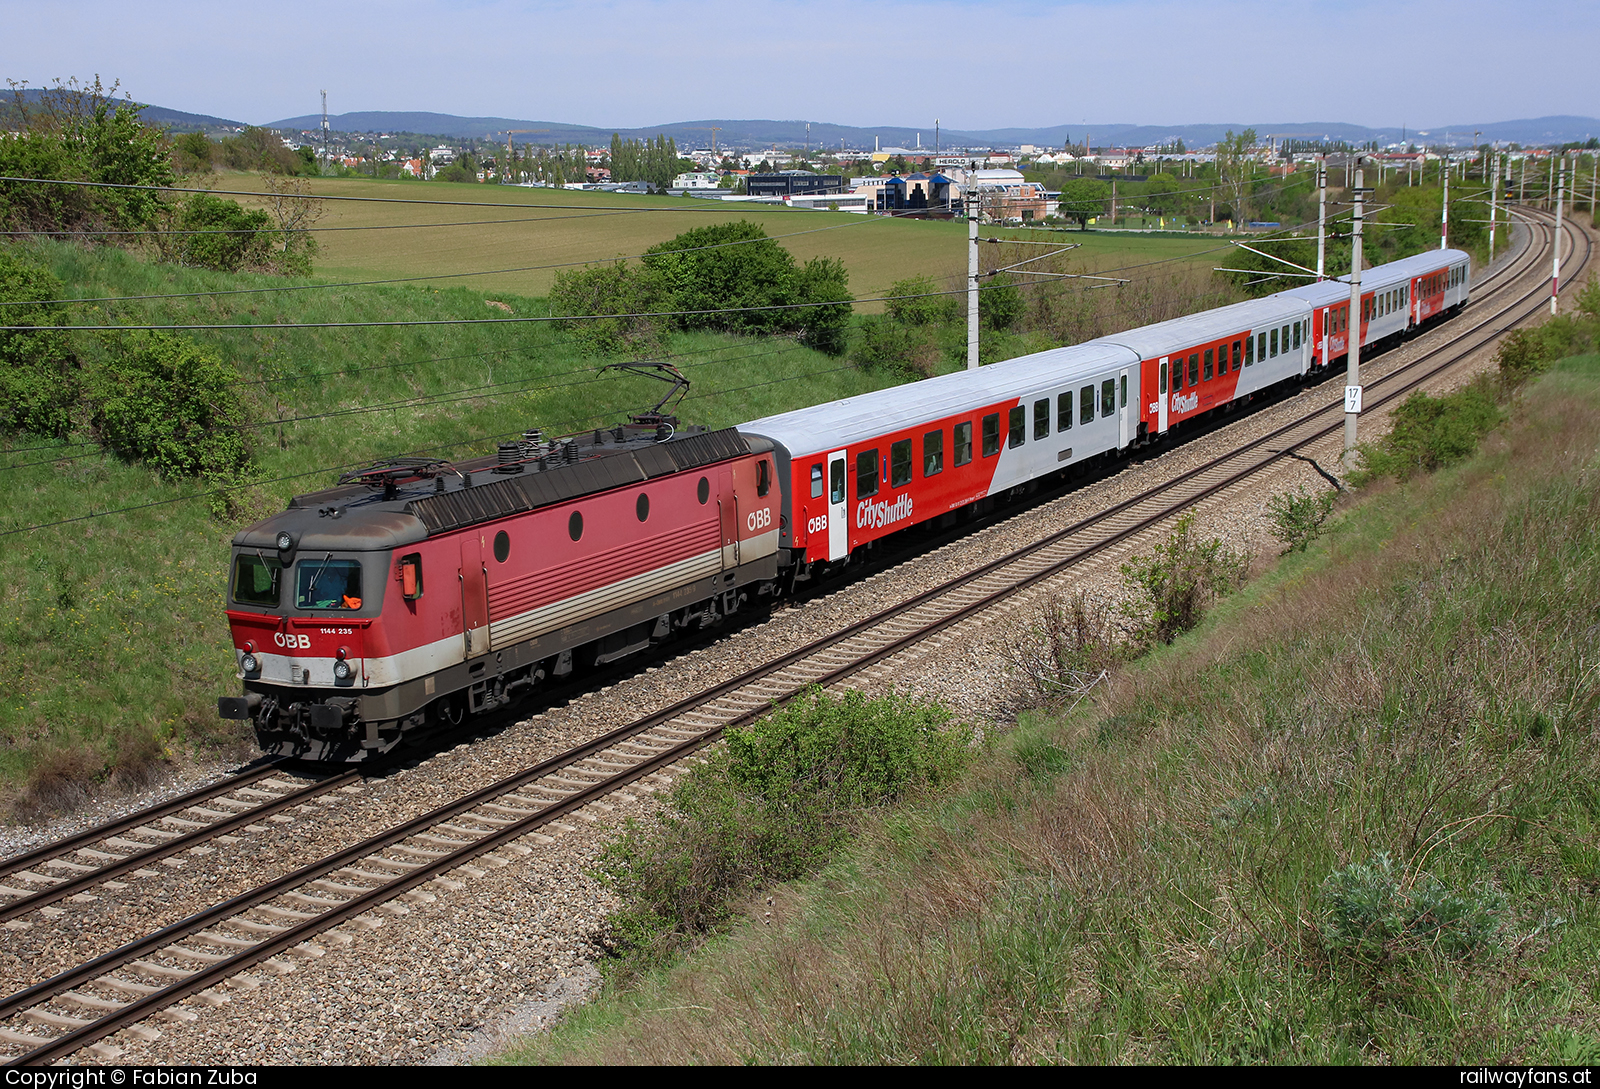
974, 65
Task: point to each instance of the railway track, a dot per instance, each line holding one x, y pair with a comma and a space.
191, 957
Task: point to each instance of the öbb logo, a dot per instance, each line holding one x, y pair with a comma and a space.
759, 519
817, 524
292, 641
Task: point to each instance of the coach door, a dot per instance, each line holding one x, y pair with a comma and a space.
474, 594
838, 505
1161, 389
1123, 427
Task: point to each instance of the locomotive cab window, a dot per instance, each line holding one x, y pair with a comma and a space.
256, 579
963, 443
900, 463
1016, 427
867, 473
411, 576
816, 481
327, 584
763, 477
933, 453
991, 434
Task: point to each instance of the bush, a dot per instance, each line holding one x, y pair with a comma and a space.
1174, 586
1371, 915
1298, 518
824, 280
887, 345
1066, 651
1430, 432
772, 804
726, 266
612, 289
204, 231
38, 389
917, 301
1000, 303
163, 400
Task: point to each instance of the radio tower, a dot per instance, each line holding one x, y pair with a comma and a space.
324, 169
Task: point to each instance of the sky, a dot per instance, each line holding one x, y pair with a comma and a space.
972, 65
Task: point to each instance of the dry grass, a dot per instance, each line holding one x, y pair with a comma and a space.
1422, 683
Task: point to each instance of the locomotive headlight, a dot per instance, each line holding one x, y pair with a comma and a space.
285, 541
341, 670
250, 664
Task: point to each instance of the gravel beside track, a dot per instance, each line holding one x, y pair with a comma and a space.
508, 941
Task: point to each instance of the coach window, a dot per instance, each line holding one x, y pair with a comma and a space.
1064, 411
933, 453
900, 463
1261, 347
1285, 340
1209, 353
963, 443
1124, 392
255, 579
991, 434
1016, 427
1177, 374
816, 481
1194, 368
867, 473
1249, 351
1108, 397
836, 471
1086, 405
1041, 419
1236, 354
1297, 335
1274, 343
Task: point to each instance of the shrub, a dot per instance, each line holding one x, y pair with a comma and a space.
1000, 303
1298, 517
38, 389
1065, 651
723, 267
1370, 914
886, 344
1431, 432
824, 280
917, 301
1173, 587
772, 804
162, 399
612, 289
204, 231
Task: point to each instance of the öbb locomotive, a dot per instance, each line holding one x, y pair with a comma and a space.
417, 592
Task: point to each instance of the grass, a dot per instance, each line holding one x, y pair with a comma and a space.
1351, 818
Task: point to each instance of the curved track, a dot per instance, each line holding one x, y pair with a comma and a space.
124, 986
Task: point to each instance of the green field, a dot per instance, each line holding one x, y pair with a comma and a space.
569, 227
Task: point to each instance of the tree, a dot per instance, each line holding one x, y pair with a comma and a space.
1083, 199
824, 280
1233, 155
209, 232
1163, 196
918, 301
630, 293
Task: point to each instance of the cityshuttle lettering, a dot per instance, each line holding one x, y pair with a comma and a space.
1185, 402
878, 515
